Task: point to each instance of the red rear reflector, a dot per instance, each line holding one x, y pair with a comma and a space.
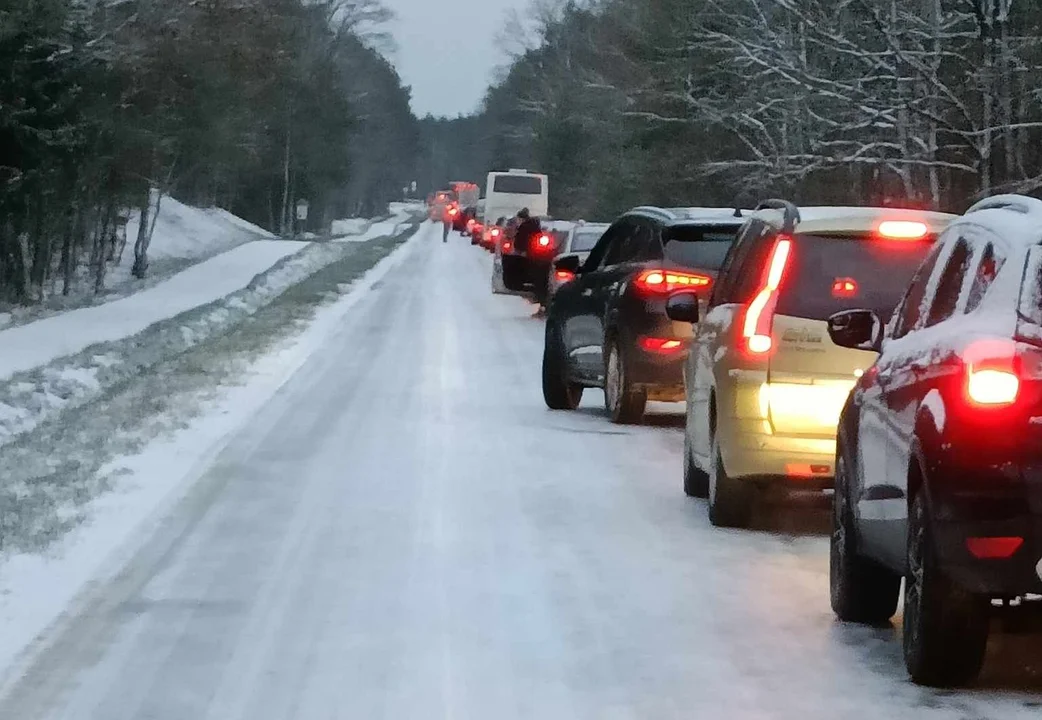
660, 345
844, 288
760, 316
903, 229
666, 281
993, 548
804, 470
564, 276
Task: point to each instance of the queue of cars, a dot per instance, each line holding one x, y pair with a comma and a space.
893, 357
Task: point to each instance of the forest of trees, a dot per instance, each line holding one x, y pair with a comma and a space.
242, 104
924, 103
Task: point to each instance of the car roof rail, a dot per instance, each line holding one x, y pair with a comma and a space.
790, 213
1017, 203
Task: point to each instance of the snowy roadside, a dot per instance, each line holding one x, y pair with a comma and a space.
30, 397
110, 471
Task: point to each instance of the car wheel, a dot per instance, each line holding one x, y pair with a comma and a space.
625, 405
559, 392
730, 500
696, 480
945, 627
861, 589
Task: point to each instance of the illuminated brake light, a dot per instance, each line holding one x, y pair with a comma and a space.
991, 379
993, 548
453, 211
760, 316
659, 345
844, 288
507, 245
494, 232
993, 387
903, 229
543, 241
563, 276
666, 281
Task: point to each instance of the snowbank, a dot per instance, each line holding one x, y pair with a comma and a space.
38, 343
187, 232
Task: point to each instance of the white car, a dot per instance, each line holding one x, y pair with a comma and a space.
580, 241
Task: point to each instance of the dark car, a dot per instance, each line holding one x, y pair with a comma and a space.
939, 451
608, 328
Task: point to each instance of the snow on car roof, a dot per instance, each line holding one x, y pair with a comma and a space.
825, 219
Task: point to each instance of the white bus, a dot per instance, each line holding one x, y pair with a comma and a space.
507, 192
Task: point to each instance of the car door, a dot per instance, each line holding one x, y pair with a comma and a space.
642, 247
870, 490
712, 334
583, 331
919, 365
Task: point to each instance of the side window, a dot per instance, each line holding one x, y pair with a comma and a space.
600, 250
988, 266
730, 271
949, 285
910, 310
646, 244
620, 244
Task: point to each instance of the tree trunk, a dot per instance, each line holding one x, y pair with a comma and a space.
285, 226
140, 269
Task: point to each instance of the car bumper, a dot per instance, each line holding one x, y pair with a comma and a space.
987, 503
749, 451
660, 375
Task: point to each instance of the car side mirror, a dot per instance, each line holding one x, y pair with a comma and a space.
683, 307
567, 263
856, 329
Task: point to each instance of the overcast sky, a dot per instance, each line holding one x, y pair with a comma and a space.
447, 50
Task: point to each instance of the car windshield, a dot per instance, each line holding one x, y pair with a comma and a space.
698, 246
584, 240
827, 274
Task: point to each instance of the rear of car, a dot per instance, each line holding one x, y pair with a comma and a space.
783, 376
692, 254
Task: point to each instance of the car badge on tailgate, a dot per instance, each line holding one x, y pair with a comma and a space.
802, 335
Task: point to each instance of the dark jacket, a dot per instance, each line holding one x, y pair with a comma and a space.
526, 233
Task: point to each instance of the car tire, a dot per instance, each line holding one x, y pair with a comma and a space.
861, 590
559, 392
624, 403
730, 501
696, 480
945, 627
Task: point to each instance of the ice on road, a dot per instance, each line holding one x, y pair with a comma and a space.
29, 346
406, 532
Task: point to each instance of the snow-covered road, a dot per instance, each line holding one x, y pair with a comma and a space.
406, 532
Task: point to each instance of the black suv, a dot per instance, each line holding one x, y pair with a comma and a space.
608, 328
939, 451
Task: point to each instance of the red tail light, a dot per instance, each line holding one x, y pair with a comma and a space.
991, 374
759, 318
660, 345
666, 281
453, 211
993, 548
494, 232
507, 245
563, 276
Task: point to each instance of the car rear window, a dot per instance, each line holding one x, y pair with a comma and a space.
584, 241
829, 274
518, 185
698, 247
